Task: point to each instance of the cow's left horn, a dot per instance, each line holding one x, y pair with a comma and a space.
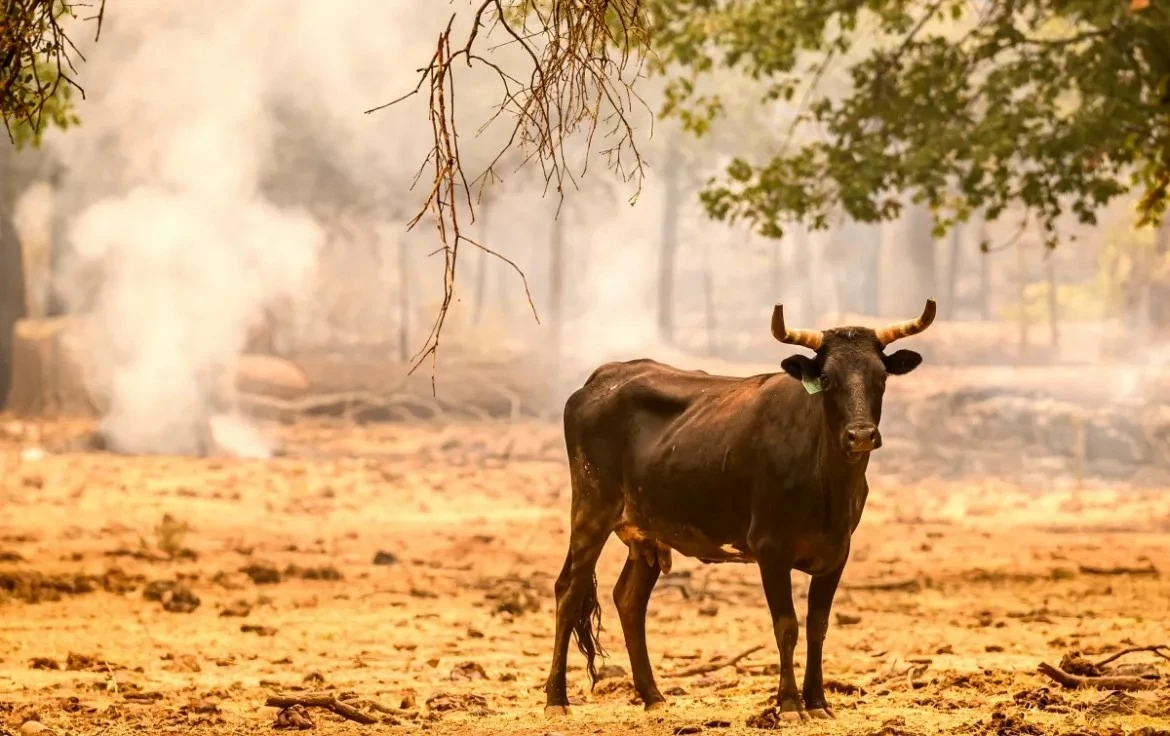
810, 339
898, 330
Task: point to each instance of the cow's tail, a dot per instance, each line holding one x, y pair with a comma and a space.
587, 629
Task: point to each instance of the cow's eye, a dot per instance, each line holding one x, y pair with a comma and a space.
826, 382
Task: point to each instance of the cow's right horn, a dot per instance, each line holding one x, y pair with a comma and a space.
898, 330
810, 339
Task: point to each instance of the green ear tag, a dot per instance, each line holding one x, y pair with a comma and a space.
812, 385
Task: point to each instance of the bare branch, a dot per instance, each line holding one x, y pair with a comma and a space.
582, 57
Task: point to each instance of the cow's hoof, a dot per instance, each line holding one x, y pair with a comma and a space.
556, 711
792, 716
821, 714
656, 705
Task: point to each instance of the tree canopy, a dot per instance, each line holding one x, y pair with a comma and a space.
1056, 106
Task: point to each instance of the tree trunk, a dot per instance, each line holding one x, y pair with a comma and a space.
403, 300
485, 209
556, 286
1022, 283
775, 271
47, 376
984, 271
956, 255
668, 241
12, 295
709, 301
802, 254
1053, 314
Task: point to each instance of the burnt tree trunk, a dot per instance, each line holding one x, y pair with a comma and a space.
668, 241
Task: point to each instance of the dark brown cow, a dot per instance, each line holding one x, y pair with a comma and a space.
767, 469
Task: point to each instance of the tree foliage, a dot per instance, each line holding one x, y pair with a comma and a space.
36, 66
1056, 105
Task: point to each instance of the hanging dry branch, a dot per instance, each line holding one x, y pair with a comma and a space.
582, 58
36, 59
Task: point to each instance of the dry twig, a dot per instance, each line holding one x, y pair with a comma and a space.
583, 56
1093, 570
36, 57
717, 663
1160, 650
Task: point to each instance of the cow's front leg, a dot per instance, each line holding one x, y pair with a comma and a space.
820, 601
777, 579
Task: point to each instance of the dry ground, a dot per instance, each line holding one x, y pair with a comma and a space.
980, 580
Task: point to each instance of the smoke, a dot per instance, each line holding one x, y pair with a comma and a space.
176, 238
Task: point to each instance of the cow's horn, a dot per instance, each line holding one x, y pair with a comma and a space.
898, 330
810, 339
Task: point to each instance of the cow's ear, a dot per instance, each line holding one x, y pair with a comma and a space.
901, 362
800, 367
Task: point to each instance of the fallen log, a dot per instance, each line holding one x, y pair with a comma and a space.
1105, 682
327, 702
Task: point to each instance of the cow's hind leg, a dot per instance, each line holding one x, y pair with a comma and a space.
632, 595
578, 611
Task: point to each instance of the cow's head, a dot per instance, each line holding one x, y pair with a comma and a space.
848, 372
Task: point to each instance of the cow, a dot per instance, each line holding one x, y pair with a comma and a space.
767, 469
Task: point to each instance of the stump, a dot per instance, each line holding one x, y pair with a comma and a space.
47, 374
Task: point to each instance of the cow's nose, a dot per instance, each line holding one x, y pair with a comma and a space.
863, 438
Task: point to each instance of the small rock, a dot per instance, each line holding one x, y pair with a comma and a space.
43, 663
238, 609
262, 574
608, 671
314, 678
993, 648
468, 671
156, 589
845, 619
258, 630
184, 663
180, 599
681, 730
709, 610
474, 633
409, 700
35, 727
385, 558
676, 691
295, 718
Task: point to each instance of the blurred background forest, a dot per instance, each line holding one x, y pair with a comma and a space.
218, 228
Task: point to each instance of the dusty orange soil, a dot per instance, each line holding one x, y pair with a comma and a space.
978, 580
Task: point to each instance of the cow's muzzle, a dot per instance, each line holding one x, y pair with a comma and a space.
862, 437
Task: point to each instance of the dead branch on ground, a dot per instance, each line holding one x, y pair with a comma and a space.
327, 702
1093, 570
1104, 682
583, 58
717, 663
